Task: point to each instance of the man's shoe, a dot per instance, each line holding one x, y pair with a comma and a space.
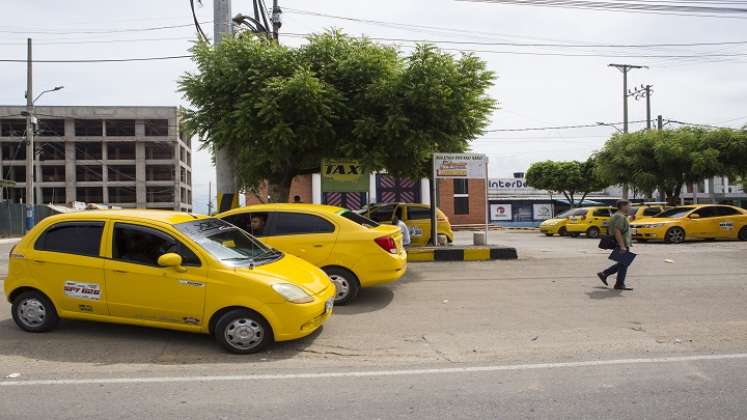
603, 278
623, 288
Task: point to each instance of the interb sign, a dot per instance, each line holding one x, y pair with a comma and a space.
460, 165
343, 175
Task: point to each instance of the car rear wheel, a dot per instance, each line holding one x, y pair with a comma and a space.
574, 234
243, 331
346, 284
563, 231
675, 235
592, 232
548, 234
743, 234
34, 312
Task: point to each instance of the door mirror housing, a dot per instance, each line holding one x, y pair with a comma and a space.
171, 259
694, 216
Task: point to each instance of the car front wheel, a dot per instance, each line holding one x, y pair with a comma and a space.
243, 331
675, 235
34, 312
346, 284
592, 232
743, 234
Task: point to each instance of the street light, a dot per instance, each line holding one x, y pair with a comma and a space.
603, 124
54, 89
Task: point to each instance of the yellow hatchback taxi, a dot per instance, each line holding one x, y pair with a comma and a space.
591, 221
682, 223
557, 225
164, 269
416, 216
642, 211
354, 251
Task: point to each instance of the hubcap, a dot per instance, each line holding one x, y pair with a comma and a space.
341, 284
244, 333
32, 313
676, 235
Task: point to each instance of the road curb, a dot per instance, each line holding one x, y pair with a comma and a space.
456, 253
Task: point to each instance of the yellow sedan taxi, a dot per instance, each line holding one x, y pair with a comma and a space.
557, 225
591, 221
416, 216
354, 251
167, 270
682, 223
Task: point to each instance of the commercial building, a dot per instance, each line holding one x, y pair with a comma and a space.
128, 156
716, 190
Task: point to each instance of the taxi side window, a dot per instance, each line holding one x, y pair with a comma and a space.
418, 213
602, 213
382, 214
80, 238
142, 245
651, 211
298, 224
253, 223
727, 211
707, 212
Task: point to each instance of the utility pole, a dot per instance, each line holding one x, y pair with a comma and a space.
210, 198
276, 19
225, 175
659, 123
29, 141
625, 68
644, 91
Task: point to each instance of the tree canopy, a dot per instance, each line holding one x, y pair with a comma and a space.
569, 178
281, 110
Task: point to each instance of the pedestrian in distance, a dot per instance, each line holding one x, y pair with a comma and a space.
396, 221
619, 230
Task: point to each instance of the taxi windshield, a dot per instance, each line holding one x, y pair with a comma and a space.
226, 242
675, 213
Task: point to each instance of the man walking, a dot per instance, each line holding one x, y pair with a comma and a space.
619, 229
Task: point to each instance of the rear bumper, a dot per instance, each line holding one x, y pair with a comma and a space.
380, 268
297, 321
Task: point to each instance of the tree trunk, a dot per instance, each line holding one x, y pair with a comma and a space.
278, 188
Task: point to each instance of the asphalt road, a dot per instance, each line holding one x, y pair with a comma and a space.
533, 338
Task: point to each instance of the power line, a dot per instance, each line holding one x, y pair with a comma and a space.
102, 31
101, 60
560, 127
101, 41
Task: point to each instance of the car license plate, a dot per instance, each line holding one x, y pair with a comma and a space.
634, 231
328, 306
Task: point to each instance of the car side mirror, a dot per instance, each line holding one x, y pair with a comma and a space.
172, 259
694, 216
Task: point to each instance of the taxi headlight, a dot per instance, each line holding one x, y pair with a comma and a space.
292, 293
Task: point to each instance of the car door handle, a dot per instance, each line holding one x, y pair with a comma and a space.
318, 245
120, 271
39, 261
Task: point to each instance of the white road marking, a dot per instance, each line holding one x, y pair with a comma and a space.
402, 372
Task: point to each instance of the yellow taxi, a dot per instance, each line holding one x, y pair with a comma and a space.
416, 216
164, 269
354, 251
644, 210
682, 223
557, 225
591, 221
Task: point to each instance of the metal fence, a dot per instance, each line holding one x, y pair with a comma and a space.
13, 218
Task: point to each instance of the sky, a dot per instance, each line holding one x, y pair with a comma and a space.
536, 86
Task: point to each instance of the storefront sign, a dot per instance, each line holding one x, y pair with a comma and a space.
512, 186
500, 212
542, 211
341, 175
460, 165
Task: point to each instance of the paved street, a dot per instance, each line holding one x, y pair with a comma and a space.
533, 338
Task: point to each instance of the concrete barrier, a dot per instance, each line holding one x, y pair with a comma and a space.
461, 253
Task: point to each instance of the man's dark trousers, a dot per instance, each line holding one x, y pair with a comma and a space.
619, 268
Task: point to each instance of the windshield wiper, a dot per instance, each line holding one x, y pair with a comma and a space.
266, 254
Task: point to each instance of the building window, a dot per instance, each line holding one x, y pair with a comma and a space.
189, 197
120, 151
14, 173
16, 195
122, 195
53, 195
89, 128
53, 173
89, 194
182, 154
88, 173
156, 128
13, 150
120, 128
51, 151
121, 172
461, 196
189, 178
159, 194
159, 173
12, 128
51, 128
88, 151
461, 205
184, 195
159, 150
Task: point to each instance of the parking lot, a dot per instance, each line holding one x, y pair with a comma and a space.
546, 313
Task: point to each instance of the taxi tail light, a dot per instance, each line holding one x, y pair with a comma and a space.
387, 244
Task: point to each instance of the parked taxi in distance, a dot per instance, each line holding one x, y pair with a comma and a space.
164, 269
354, 251
682, 223
557, 225
591, 221
643, 210
416, 216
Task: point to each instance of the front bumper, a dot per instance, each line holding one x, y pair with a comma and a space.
299, 320
648, 234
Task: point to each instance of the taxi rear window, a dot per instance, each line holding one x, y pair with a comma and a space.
357, 218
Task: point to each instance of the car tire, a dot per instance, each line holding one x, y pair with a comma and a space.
242, 331
574, 234
549, 234
743, 234
675, 235
563, 231
592, 232
643, 241
34, 312
345, 282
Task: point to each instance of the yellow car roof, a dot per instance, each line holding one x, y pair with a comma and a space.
166, 216
318, 208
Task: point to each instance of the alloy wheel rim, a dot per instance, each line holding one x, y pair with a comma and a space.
676, 235
342, 286
32, 312
244, 333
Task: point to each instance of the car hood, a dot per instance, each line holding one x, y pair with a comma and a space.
290, 269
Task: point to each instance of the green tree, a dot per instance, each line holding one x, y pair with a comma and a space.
279, 110
569, 178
